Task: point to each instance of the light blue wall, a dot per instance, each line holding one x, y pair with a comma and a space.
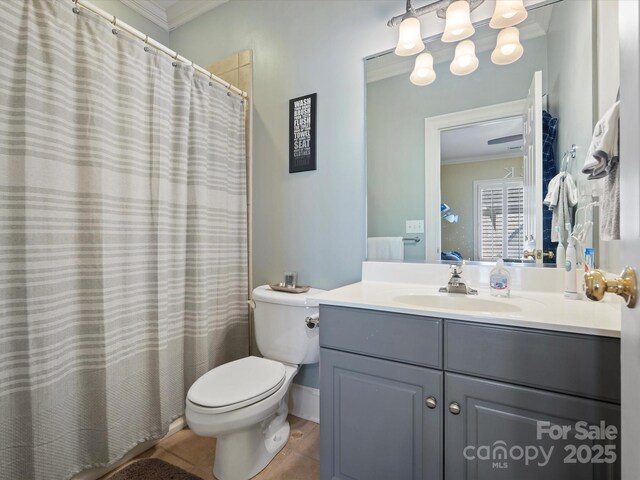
311, 222
137, 21
396, 111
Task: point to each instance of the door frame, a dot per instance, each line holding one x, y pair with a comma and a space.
432, 128
629, 35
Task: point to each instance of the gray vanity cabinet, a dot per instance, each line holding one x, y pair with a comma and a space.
405, 397
493, 434
377, 424
381, 417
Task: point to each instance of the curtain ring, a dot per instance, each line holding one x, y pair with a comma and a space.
75, 8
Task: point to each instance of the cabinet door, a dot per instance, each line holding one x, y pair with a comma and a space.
497, 429
375, 424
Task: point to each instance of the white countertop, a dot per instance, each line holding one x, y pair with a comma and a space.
540, 310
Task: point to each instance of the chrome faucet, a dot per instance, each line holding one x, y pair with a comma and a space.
456, 283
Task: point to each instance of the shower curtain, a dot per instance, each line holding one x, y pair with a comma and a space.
123, 244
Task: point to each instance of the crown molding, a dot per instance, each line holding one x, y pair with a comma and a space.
150, 10
173, 16
186, 10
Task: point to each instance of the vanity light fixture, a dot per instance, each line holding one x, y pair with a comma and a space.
458, 28
508, 47
508, 13
409, 38
423, 72
465, 60
458, 24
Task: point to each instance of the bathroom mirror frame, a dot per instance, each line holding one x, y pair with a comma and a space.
432, 240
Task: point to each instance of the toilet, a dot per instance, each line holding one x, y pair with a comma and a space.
244, 403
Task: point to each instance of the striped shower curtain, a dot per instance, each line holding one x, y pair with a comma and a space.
123, 246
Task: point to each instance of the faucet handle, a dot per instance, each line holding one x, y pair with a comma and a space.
455, 269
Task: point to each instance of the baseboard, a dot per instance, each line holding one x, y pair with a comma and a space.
95, 473
304, 402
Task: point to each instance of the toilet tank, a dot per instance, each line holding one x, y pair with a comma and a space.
280, 328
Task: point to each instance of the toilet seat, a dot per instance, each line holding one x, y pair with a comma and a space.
237, 384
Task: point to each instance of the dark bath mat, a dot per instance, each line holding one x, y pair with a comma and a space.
153, 469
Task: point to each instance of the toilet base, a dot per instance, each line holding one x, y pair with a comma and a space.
243, 454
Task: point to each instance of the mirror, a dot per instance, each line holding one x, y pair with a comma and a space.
458, 168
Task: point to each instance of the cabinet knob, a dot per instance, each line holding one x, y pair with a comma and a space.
431, 402
454, 407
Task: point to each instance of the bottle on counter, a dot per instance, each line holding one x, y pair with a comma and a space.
500, 280
570, 280
560, 251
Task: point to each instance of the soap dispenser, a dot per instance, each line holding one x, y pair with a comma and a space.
500, 280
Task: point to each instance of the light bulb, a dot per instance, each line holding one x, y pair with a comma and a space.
508, 13
423, 73
458, 22
508, 47
465, 60
409, 37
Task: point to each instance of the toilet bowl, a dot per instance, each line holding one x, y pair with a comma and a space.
244, 403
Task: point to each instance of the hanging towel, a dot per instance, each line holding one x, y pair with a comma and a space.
603, 152
385, 248
562, 197
602, 162
610, 205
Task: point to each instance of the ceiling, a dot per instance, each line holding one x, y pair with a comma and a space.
469, 144
170, 14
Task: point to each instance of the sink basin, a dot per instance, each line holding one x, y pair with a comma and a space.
459, 302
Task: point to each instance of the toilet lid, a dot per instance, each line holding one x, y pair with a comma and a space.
237, 384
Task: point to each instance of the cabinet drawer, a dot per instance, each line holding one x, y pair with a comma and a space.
406, 338
581, 365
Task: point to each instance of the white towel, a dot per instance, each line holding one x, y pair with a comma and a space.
604, 150
566, 197
603, 163
553, 190
385, 248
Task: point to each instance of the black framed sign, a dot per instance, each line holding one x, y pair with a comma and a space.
302, 133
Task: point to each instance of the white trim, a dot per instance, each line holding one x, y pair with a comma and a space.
96, 473
433, 126
151, 10
304, 402
186, 10
175, 15
516, 153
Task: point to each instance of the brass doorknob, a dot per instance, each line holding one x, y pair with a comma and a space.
537, 254
626, 286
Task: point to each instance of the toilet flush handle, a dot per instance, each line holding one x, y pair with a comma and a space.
313, 321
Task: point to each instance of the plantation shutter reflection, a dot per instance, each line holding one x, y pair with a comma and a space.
499, 219
515, 221
492, 231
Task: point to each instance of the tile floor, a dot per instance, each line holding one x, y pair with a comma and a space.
298, 460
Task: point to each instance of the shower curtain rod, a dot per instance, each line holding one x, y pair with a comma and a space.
119, 24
